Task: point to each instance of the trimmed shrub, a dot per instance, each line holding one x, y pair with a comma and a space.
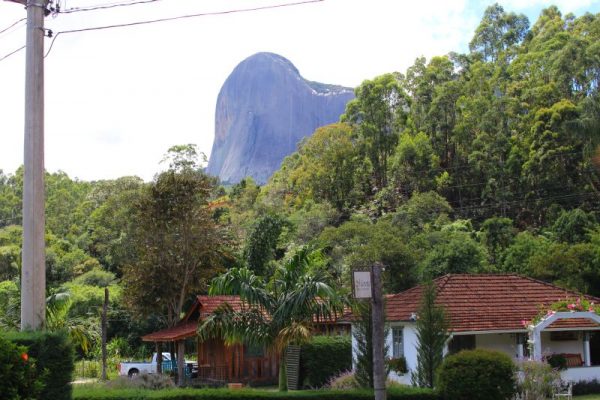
323, 358
586, 387
18, 378
477, 375
54, 353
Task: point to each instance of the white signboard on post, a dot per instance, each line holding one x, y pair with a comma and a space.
362, 284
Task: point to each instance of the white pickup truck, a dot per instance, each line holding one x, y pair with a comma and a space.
132, 368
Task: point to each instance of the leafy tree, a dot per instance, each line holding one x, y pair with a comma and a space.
497, 234
453, 253
261, 243
359, 243
276, 314
10, 305
311, 220
432, 334
109, 226
363, 333
82, 331
179, 245
518, 257
414, 165
498, 32
378, 112
184, 157
11, 189
422, 211
573, 226
327, 170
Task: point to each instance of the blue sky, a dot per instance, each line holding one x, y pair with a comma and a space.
117, 99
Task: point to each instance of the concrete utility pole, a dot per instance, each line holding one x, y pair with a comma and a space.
378, 337
33, 275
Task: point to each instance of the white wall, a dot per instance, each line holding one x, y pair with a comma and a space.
580, 374
561, 346
410, 350
503, 342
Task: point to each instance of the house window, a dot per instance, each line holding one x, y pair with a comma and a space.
397, 342
461, 342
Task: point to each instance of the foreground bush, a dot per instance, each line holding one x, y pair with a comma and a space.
101, 393
323, 358
537, 380
477, 375
18, 378
54, 354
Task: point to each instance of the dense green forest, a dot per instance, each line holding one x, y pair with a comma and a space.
464, 163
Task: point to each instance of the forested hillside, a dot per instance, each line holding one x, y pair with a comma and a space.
464, 163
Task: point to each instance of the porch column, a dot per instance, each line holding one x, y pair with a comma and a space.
180, 362
587, 360
537, 344
521, 339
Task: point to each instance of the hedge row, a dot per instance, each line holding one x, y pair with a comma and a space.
54, 360
324, 358
99, 393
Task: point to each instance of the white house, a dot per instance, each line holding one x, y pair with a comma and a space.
487, 311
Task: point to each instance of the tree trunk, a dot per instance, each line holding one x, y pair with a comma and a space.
282, 373
104, 327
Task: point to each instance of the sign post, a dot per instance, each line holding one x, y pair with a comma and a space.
367, 285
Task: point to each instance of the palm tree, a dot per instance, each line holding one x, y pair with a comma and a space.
275, 314
83, 332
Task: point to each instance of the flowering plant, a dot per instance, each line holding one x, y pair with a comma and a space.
580, 305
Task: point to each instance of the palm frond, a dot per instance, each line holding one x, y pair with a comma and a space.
57, 308
296, 333
242, 282
249, 326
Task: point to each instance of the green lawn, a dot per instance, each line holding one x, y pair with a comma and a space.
589, 397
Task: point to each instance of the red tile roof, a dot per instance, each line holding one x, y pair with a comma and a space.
486, 302
206, 305
178, 332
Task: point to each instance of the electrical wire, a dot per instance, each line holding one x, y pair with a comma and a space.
11, 53
10, 26
105, 6
180, 17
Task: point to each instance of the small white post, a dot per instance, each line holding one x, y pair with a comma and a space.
586, 349
520, 349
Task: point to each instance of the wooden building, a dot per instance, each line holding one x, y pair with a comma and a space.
222, 363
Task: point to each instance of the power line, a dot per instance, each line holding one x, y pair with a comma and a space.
11, 53
104, 6
10, 26
179, 17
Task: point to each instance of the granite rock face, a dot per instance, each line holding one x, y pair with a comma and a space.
263, 110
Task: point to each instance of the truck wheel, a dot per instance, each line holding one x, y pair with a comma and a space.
132, 373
